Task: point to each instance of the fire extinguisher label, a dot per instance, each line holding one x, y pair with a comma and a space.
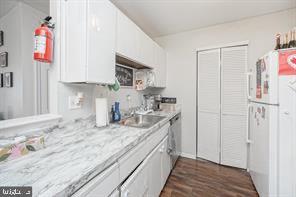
40, 44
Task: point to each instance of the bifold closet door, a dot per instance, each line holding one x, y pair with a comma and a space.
234, 106
208, 146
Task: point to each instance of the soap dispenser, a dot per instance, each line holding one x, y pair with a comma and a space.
116, 114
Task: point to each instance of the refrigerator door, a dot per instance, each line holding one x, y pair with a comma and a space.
287, 135
263, 148
263, 80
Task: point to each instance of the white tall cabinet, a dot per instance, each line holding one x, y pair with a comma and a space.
222, 106
88, 35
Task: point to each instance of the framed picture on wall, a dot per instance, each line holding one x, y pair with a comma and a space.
1, 38
124, 75
3, 59
8, 79
1, 80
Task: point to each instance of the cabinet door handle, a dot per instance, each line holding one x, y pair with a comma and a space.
249, 141
249, 75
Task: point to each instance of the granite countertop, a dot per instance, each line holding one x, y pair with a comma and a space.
75, 153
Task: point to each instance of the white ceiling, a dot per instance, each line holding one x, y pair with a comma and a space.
163, 17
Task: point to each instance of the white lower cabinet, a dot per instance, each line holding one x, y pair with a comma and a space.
154, 166
101, 185
137, 184
115, 193
151, 175
142, 172
166, 164
159, 166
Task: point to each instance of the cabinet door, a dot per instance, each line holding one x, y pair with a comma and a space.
101, 185
159, 66
146, 50
101, 28
154, 169
137, 184
73, 40
166, 164
127, 43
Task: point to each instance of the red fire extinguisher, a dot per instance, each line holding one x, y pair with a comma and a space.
43, 41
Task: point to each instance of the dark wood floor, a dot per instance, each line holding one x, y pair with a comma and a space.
201, 178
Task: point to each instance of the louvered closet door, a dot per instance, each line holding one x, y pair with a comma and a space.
209, 105
234, 106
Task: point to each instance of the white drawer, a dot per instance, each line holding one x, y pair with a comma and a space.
132, 159
157, 137
101, 185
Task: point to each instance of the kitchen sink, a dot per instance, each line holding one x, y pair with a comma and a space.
141, 121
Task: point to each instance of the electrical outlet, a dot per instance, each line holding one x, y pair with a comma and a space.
74, 102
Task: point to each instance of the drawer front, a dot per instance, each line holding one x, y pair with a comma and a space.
115, 193
101, 185
157, 137
132, 159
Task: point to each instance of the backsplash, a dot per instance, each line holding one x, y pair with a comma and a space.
136, 97
91, 92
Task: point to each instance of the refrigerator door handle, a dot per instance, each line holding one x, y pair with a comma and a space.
249, 141
249, 74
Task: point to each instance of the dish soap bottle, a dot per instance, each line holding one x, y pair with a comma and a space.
116, 113
112, 113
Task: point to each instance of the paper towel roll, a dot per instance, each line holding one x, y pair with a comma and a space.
102, 118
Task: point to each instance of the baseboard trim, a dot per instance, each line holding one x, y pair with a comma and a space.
190, 156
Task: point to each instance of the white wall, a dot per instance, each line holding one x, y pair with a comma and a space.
30, 19
10, 98
181, 60
18, 25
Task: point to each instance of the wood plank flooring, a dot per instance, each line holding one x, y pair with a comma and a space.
206, 179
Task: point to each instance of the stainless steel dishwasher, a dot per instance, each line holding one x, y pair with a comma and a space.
175, 129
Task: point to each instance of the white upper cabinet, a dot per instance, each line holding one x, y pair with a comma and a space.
127, 44
159, 66
146, 50
135, 45
88, 36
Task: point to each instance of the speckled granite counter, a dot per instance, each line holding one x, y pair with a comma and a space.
75, 153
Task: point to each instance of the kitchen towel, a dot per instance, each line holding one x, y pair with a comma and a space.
171, 143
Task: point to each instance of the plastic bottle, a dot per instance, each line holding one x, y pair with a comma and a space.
117, 115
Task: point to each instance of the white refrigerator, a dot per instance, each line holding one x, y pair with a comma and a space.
272, 124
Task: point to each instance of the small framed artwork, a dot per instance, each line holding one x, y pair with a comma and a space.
1, 38
3, 59
8, 79
124, 75
1, 80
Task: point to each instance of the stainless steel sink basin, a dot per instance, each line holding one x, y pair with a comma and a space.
141, 121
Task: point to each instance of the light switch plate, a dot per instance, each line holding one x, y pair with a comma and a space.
73, 103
